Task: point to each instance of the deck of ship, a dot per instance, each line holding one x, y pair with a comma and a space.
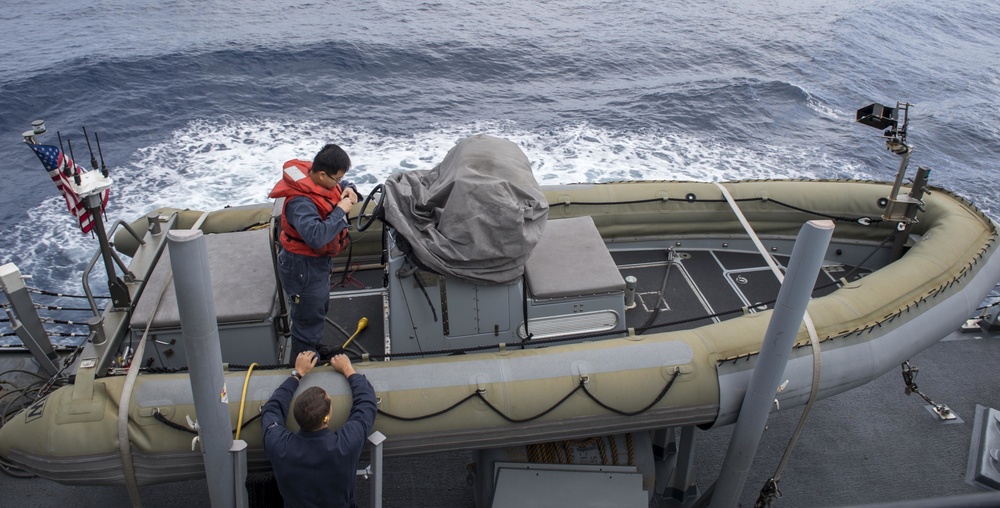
872, 444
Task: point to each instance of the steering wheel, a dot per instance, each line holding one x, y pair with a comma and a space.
365, 221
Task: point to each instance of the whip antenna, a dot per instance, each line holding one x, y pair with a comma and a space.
93, 161
76, 174
104, 169
65, 167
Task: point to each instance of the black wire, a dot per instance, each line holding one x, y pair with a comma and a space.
347, 265
39, 376
163, 419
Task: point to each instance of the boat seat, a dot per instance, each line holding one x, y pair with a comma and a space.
243, 284
571, 259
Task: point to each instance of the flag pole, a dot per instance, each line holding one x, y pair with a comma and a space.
120, 298
88, 188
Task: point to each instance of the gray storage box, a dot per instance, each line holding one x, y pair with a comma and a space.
574, 284
245, 294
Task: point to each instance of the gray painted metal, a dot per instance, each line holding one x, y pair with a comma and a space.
793, 298
241, 265
193, 285
25, 321
116, 321
554, 485
377, 468
984, 449
852, 361
984, 500
239, 456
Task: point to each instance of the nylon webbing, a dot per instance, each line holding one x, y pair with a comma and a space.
124, 445
810, 327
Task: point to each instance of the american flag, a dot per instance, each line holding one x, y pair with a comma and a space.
55, 161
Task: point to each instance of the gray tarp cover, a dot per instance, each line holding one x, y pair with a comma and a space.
477, 215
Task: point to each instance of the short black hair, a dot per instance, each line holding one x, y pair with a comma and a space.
331, 160
310, 408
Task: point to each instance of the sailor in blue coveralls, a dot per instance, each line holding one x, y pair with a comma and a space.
317, 467
314, 228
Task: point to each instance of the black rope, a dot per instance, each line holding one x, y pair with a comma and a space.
582, 385
537, 416
603, 203
52, 293
430, 415
891, 236
50, 334
866, 220
663, 393
839, 218
163, 419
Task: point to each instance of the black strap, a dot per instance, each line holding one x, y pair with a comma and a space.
524, 309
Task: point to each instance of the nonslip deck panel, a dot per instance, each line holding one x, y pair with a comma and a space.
704, 282
346, 311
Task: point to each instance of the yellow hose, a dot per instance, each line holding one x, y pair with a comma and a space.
243, 400
362, 324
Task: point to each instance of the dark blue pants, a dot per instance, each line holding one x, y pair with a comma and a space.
306, 282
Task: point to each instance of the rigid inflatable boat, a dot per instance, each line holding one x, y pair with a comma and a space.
609, 309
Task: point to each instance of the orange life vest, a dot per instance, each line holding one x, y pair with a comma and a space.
294, 182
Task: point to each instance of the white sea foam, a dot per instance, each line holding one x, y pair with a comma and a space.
213, 164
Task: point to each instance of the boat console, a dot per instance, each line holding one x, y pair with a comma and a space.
573, 288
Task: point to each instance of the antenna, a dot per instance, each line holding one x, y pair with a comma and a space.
104, 169
93, 161
66, 170
72, 161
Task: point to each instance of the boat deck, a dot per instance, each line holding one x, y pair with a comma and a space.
703, 285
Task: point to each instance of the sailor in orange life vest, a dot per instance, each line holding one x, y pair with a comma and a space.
313, 229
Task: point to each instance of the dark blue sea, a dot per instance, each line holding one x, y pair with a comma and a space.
197, 103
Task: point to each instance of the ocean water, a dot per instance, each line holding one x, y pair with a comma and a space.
197, 103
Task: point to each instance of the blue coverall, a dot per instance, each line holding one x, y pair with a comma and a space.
306, 279
317, 469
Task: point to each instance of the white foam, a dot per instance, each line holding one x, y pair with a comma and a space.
215, 163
